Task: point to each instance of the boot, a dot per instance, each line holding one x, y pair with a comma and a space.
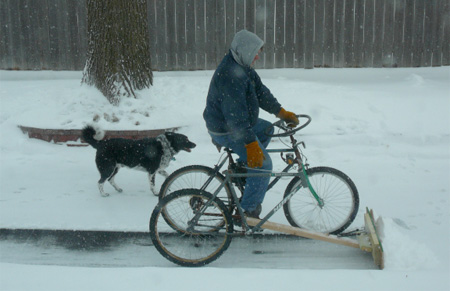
254, 213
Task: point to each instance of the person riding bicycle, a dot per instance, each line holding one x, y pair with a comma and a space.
232, 114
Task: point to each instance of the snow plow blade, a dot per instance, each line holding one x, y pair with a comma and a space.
372, 236
367, 241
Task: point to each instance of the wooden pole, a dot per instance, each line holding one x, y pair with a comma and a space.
304, 233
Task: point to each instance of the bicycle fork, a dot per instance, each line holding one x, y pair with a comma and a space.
304, 178
305, 182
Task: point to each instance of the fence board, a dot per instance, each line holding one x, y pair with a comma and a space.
24, 39
299, 50
250, 15
18, 60
427, 41
230, 28
211, 41
62, 35
349, 31
419, 18
438, 32
319, 15
200, 54
369, 17
309, 34
289, 34
53, 34
339, 32
260, 25
358, 39
446, 33
279, 34
378, 34
328, 34
82, 31
33, 59
180, 27
269, 48
171, 30
195, 34
408, 34
44, 36
189, 41
221, 30
74, 41
240, 14
399, 20
388, 37
5, 33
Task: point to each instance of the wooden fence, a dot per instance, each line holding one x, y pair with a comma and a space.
195, 34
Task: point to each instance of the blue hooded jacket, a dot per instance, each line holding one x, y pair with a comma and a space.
236, 92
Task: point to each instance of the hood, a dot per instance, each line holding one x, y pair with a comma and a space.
245, 46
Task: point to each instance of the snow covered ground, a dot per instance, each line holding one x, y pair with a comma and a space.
388, 129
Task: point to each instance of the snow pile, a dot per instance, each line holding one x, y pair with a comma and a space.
401, 251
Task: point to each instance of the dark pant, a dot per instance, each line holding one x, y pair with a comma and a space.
256, 187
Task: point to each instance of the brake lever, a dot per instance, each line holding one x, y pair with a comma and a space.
301, 143
284, 126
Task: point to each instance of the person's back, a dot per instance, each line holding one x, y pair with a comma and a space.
228, 76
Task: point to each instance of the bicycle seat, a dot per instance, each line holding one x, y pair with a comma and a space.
219, 147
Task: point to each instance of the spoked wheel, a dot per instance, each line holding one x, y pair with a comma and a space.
338, 193
203, 227
195, 177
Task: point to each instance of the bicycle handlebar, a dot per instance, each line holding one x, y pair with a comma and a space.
288, 131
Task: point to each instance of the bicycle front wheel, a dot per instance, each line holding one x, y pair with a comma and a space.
197, 240
340, 201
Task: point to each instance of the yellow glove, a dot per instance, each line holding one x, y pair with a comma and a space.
288, 117
255, 155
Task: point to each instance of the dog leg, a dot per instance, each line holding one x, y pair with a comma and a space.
151, 178
102, 192
111, 181
107, 172
163, 173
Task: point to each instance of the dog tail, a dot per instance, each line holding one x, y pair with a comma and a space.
88, 134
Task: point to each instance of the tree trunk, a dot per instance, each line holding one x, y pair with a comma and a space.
118, 61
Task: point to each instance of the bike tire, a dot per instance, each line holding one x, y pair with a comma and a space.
194, 177
339, 194
188, 247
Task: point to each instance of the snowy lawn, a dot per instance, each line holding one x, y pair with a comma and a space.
387, 129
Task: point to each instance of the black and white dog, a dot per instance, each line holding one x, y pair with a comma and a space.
151, 155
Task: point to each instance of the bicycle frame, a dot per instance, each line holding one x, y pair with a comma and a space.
301, 173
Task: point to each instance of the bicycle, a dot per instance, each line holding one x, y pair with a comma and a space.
194, 225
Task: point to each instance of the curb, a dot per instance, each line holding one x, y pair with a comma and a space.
72, 239
67, 135
88, 235
91, 239
96, 240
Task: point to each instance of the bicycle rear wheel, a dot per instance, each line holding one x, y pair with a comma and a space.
195, 177
198, 239
339, 195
